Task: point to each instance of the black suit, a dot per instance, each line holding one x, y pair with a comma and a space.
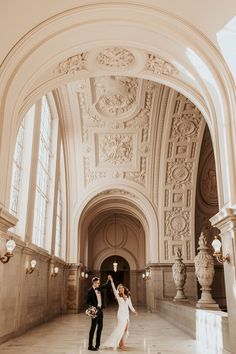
97, 321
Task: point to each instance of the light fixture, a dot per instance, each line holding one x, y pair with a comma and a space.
55, 271
216, 244
115, 263
84, 274
30, 269
146, 275
10, 246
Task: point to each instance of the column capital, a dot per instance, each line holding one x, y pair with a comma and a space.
7, 220
223, 217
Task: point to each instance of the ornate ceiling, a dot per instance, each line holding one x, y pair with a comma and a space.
138, 134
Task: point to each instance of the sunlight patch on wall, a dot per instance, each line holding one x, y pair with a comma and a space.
200, 66
209, 333
226, 39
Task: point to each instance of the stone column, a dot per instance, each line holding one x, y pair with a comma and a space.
153, 287
225, 221
179, 275
204, 265
73, 288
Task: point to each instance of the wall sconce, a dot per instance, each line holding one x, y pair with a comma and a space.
146, 275
216, 244
10, 246
84, 274
30, 269
55, 271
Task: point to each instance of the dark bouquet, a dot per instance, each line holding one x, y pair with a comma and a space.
91, 311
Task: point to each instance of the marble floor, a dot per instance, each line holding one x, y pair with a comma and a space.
68, 334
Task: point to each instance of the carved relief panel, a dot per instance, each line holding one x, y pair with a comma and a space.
115, 120
184, 129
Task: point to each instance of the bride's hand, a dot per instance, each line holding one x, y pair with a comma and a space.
110, 278
136, 313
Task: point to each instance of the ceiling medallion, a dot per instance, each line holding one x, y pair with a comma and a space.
180, 173
186, 128
115, 95
115, 57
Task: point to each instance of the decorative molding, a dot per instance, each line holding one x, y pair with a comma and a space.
178, 177
115, 95
140, 176
186, 126
117, 149
92, 176
177, 224
124, 143
73, 64
179, 173
117, 192
115, 58
160, 66
7, 220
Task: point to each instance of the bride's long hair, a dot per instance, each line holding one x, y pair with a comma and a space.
126, 290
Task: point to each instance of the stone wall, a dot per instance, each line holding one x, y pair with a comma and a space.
199, 324
29, 299
161, 284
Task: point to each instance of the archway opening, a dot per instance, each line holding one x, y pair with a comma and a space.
122, 276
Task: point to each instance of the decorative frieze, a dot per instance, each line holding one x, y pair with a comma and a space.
160, 66
115, 58
73, 64
181, 151
117, 192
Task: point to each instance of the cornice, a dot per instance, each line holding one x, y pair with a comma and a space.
7, 220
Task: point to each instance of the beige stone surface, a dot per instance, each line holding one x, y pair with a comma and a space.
69, 334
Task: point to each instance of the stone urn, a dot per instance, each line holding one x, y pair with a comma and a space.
204, 270
179, 276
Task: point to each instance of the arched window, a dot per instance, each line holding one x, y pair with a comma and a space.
21, 171
60, 214
43, 174
58, 239
17, 170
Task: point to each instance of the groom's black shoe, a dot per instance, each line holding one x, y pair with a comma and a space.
92, 348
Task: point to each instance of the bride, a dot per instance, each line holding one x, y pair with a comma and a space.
117, 337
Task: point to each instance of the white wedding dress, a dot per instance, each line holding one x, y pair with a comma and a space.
122, 320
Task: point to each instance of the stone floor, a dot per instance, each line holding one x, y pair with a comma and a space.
68, 335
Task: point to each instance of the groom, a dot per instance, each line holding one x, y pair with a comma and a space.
95, 298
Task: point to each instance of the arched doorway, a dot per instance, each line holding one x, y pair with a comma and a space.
121, 276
